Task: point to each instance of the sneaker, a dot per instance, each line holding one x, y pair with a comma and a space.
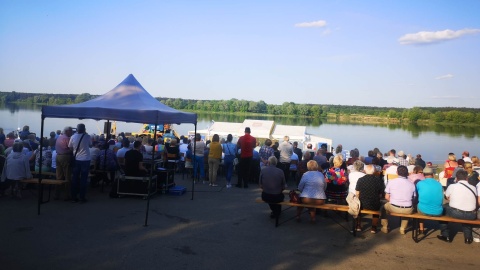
476, 240
402, 231
384, 229
214, 185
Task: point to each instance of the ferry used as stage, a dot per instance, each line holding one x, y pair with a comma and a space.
265, 129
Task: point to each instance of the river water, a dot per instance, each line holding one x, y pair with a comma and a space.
433, 142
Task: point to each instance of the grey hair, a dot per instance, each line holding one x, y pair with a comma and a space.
358, 165
272, 161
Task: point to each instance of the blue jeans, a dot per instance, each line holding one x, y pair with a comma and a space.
228, 163
79, 179
199, 163
455, 213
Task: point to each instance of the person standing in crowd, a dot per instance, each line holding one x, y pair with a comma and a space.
297, 151
419, 161
286, 151
462, 204
310, 151
214, 158
80, 144
63, 160
399, 193
2, 136
52, 140
229, 151
24, 133
245, 144
198, 153
320, 158
272, 183
265, 152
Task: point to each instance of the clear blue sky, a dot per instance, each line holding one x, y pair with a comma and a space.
372, 53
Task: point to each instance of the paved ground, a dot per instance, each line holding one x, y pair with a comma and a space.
218, 229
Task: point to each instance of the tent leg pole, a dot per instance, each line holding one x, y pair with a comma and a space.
194, 161
40, 189
152, 167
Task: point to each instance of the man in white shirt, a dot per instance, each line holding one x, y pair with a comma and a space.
462, 205
80, 144
286, 151
121, 152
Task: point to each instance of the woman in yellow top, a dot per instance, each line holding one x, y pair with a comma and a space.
214, 158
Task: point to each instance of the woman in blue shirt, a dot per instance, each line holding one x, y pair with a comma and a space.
312, 187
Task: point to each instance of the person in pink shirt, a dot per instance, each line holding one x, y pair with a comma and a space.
399, 193
417, 174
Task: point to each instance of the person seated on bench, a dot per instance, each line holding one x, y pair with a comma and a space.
312, 185
429, 196
133, 161
337, 181
462, 205
399, 194
369, 190
272, 183
16, 168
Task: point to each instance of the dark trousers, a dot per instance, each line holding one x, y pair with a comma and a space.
286, 170
455, 213
272, 200
244, 171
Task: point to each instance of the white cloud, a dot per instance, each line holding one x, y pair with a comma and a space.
445, 77
320, 23
425, 37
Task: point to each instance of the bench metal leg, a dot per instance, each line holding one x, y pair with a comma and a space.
415, 228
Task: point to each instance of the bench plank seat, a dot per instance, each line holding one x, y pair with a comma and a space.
44, 181
415, 216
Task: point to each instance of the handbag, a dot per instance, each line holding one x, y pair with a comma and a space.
294, 196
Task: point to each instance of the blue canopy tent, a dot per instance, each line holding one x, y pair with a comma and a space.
128, 102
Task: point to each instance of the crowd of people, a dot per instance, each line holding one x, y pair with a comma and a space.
390, 182
72, 154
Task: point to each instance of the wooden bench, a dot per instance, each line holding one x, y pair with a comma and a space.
46, 174
49, 182
44, 181
416, 217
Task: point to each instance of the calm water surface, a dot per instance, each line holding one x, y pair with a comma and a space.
433, 143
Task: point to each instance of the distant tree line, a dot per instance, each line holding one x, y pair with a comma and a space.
412, 115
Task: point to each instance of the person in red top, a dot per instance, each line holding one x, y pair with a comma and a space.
245, 144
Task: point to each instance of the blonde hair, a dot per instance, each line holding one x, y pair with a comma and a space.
452, 157
312, 165
337, 161
475, 161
